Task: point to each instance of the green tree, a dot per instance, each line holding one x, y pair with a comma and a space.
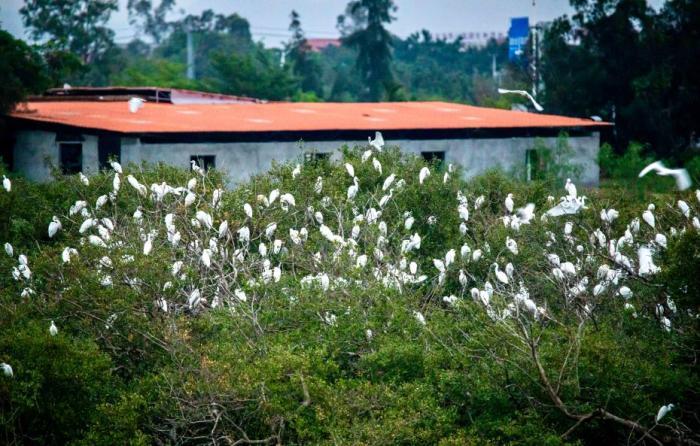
258, 75
150, 18
373, 43
304, 63
22, 71
78, 26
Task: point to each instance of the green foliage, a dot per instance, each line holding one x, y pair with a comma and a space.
22, 71
73, 25
277, 367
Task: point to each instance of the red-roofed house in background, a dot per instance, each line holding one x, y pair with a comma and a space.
318, 44
80, 129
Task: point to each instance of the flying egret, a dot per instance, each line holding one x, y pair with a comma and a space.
527, 213
377, 142
681, 176
663, 411
524, 93
567, 206
54, 226
135, 104
7, 184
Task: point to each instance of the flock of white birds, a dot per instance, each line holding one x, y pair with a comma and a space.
185, 227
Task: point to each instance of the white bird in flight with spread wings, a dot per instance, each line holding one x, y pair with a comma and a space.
680, 175
524, 93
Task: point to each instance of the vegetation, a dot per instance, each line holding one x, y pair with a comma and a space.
357, 323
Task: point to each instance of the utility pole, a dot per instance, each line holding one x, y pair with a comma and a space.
190, 55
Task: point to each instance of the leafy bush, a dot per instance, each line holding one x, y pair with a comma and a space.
344, 328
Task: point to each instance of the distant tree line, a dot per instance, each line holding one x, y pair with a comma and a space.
618, 59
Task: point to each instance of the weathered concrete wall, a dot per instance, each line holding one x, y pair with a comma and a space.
36, 152
241, 160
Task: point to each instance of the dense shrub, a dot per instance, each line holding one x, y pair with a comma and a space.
312, 343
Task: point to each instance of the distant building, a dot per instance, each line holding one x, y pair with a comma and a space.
79, 130
473, 39
318, 45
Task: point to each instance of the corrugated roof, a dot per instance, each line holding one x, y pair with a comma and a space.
287, 116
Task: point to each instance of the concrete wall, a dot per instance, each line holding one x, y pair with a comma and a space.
240, 160
36, 152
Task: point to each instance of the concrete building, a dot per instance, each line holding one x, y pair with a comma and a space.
82, 130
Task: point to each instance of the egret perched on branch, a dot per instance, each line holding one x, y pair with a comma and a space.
54, 226
663, 411
53, 330
680, 175
524, 93
6, 183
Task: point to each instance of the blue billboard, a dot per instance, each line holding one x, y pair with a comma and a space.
517, 37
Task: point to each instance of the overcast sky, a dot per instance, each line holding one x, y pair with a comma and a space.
269, 19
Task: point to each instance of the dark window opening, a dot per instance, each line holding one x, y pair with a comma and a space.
71, 157
438, 158
108, 149
206, 162
311, 157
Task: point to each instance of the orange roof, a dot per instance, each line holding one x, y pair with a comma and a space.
286, 116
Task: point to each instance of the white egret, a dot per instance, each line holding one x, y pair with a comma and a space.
54, 226
318, 186
223, 229
423, 174
248, 210
7, 184
53, 330
206, 257
388, 181
116, 166
377, 165
84, 179
67, 253
523, 93
685, 209
526, 214
148, 245
646, 262
6, 369
567, 206
352, 190
570, 188
509, 203
419, 317
350, 169
663, 411
296, 171
191, 184
377, 142
366, 155
648, 216
661, 240
625, 292
512, 245
500, 275
408, 223
568, 268
9, 250
274, 194
96, 241
681, 176
479, 201
135, 104
205, 219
